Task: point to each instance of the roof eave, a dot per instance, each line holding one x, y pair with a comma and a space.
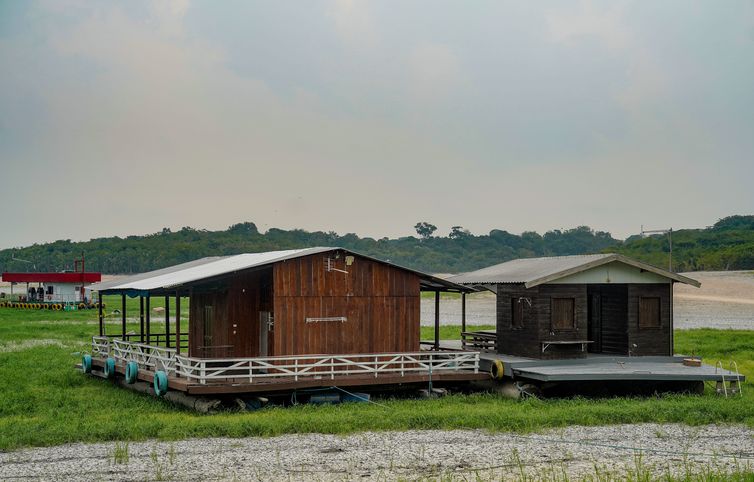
609, 259
567, 272
659, 271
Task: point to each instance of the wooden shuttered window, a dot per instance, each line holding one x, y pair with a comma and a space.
562, 315
649, 312
517, 313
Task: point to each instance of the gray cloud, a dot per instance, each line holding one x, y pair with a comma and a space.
368, 117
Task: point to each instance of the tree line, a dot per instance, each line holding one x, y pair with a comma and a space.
729, 244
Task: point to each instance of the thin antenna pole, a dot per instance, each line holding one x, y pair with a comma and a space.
669, 232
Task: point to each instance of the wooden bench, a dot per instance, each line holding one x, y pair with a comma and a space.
479, 340
583, 343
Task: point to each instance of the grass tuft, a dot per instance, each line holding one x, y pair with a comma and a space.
119, 454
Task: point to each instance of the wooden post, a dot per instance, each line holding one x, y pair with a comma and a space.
463, 320
101, 315
178, 322
123, 315
437, 320
141, 319
149, 316
672, 335
167, 321
463, 312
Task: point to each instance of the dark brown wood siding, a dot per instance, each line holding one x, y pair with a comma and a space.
655, 340
547, 332
520, 340
211, 343
380, 304
537, 320
616, 307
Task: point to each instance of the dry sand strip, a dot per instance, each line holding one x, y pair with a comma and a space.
574, 452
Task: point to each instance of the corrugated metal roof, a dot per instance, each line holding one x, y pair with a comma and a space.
205, 268
535, 271
106, 285
209, 269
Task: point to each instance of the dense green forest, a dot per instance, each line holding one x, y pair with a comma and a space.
729, 244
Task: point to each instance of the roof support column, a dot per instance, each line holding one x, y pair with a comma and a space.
167, 321
148, 319
463, 319
123, 315
437, 320
178, 322
101, 314
672, 323
141, 319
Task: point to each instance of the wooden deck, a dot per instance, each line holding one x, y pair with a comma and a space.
603, 368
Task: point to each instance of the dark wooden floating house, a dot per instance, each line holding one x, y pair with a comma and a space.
590, 317
278, 321
568, 306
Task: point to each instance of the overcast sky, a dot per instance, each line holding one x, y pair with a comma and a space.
124, 118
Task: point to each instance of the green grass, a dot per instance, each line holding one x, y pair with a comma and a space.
44, 401
456, 296
451, 332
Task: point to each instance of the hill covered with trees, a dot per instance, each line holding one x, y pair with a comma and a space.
729, 244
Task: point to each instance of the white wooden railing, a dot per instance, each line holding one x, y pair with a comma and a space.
100, 346
146, 356
201, 370
294, 368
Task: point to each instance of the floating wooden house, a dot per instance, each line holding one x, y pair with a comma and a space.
566, 306
282, 320
590, 317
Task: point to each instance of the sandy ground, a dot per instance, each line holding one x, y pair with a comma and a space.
574, 452
725, 300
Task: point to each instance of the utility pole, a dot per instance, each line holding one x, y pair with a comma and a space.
669, 232
13, 258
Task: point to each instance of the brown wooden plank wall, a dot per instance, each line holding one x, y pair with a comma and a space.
619, 310
237, 301
523, 341
537, 327
548, 332
380, 302
218, 300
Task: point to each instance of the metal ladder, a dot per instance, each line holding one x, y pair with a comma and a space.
734, 386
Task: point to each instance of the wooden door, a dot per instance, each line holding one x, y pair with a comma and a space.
594, 317
264, 332
614, 319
